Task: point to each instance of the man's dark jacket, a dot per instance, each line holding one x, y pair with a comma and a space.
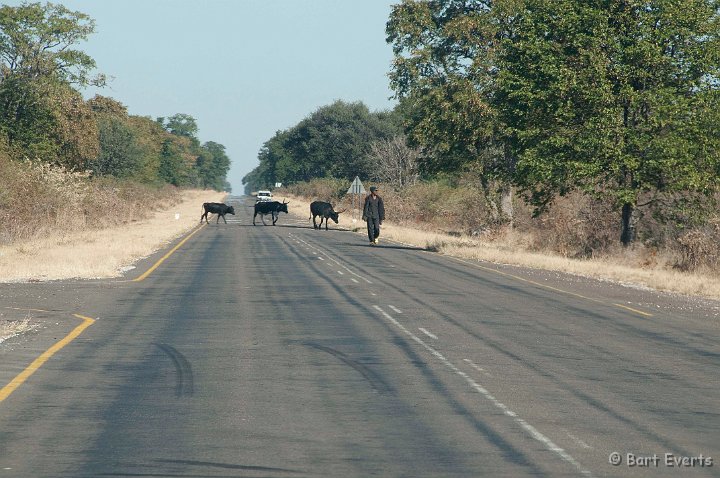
373, 208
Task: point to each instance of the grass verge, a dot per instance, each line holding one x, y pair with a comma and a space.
101, 253
509, 248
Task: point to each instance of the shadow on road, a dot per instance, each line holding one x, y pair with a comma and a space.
385, 246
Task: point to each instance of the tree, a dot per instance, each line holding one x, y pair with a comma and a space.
444, 74
334, 141
616, 97
41, 115
48, 120
36, 42
120, 155
212, 165
393, 161
181, 124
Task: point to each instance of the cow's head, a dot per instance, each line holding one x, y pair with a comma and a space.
283, 206
231, 210
335, 215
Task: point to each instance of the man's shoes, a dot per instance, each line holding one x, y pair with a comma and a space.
376, 241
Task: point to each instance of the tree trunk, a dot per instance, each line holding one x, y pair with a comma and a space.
506, 203
627, 233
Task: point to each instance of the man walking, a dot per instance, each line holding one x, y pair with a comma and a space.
374, 214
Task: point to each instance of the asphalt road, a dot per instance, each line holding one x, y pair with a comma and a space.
289, 352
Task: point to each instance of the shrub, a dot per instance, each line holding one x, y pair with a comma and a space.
38, 198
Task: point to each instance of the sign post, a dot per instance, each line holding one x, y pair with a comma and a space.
355, 188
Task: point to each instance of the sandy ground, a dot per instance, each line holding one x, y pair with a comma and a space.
102, 253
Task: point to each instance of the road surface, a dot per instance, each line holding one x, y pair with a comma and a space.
288, 352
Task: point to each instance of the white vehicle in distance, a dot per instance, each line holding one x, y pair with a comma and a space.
264, 196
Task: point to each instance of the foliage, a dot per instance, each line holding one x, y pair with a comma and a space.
617, 98
181, 124
120, 155
60, 200
36, 42
49, 120
43, 117
443, 74
333, 142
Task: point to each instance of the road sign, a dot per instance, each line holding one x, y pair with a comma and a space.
356, 187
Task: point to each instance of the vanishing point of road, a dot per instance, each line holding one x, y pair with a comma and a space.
283, 351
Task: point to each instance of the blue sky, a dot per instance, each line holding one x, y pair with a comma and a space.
243, 69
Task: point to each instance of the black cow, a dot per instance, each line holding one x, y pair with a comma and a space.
269, 207
216, 208
325, 211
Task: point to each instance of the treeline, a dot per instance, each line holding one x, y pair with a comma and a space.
335, 141
612, 99
43, 116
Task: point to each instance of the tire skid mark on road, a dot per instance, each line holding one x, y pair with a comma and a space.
531, 430
184, 382
375, 381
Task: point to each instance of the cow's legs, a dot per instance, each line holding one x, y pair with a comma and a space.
223, 216
315, 226
203, 216
275, 215
321, 221
262, 216
254, 216
327, 219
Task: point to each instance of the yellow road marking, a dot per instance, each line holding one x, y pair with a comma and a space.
162, 259
646, 314
545, 286
38, 362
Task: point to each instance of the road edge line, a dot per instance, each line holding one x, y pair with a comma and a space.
152, 268
20, 378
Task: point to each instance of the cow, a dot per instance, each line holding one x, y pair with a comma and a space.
269, 207
216, 208
325, 211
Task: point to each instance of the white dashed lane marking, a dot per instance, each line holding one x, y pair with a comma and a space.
428, 333
529, 429
395, 309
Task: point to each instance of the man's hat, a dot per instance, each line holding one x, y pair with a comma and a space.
373, 189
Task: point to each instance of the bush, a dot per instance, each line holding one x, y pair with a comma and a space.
322, 189
699, 248
38, 198
575, 226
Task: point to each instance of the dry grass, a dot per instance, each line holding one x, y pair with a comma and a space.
512, 247
101, 253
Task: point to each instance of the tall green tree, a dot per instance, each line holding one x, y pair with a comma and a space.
120, 155
41, 115
443, 72
212, 165
334, 141
617, 97
181, 124
36, 41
